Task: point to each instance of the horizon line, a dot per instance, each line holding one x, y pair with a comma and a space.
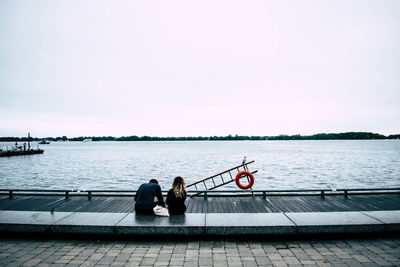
207, 136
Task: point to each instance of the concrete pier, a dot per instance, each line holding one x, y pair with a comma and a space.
212, 216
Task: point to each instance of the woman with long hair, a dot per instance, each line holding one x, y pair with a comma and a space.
176, 197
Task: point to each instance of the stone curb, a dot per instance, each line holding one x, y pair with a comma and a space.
210, 224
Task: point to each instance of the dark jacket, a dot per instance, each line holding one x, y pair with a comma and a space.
176, 205
145, 197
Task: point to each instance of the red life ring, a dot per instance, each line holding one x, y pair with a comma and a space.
239, 175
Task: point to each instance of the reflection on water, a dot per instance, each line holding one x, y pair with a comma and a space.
280, 164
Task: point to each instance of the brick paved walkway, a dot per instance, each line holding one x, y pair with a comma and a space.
362, 252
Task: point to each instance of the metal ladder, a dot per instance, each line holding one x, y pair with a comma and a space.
220, 179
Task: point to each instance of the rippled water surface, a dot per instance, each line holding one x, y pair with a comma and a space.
280, 164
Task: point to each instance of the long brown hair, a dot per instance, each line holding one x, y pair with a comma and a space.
179, 186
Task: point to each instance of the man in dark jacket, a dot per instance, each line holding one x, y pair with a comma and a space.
145, 197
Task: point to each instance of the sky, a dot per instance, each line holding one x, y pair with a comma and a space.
198, 68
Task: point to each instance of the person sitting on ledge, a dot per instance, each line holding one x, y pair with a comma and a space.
145, 197
176, 197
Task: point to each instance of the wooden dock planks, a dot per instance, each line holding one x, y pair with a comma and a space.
272, 204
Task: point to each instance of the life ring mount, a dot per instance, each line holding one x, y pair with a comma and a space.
240, 175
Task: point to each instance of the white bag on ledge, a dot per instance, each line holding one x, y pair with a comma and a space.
160, 211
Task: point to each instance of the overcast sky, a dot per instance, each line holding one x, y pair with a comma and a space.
190, 68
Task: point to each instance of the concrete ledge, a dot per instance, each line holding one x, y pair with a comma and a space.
210, 224
29, 221
249, 224
188, 224
391, 219
335, 222
88, 223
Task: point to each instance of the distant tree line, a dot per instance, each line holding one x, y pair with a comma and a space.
94, 138
320, 136
190, 138
394, 136
25, 139
331, 136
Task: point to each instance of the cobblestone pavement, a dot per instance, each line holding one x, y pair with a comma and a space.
360, 252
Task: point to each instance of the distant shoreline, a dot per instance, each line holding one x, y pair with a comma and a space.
319, 136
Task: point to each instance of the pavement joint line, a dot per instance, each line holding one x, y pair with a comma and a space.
205, 223
62, 218
297, 227
363, 212
126, 214
114, 227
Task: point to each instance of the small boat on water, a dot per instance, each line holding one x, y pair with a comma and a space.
44, 142
20, 150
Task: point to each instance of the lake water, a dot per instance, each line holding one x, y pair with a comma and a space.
280, 164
